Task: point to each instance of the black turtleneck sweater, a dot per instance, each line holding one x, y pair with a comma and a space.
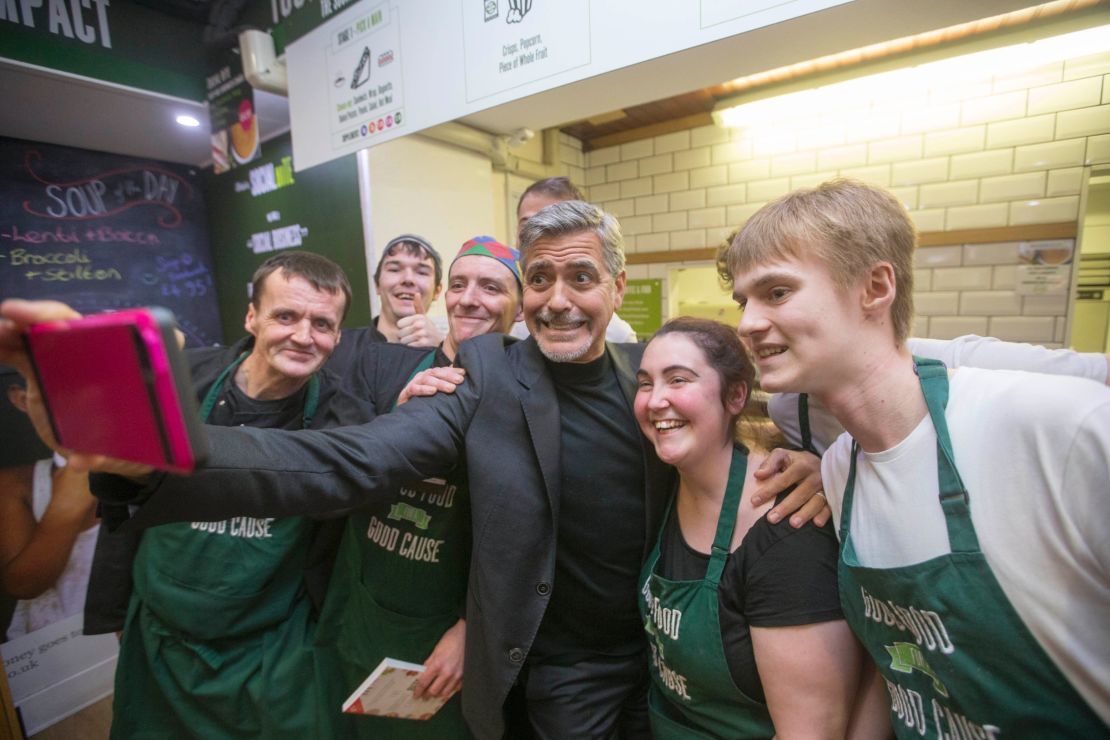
600, 530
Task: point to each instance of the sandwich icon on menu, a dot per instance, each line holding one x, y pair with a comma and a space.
387, 692
361, 75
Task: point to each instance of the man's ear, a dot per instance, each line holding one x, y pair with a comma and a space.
249, 321
618, 289
17, 394
879, 288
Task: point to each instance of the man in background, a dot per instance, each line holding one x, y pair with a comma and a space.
408, 279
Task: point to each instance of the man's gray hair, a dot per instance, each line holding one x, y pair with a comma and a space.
571, 217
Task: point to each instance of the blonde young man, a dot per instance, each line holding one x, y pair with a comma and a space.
975, 546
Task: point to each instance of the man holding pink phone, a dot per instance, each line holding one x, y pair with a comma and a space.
217, 640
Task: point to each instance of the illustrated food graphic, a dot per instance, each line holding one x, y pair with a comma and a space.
244, 133
358, 78
517, 10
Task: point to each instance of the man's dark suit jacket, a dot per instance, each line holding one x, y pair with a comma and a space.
505, 420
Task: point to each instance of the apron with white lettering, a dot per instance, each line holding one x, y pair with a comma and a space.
399, 584
218, 638
692, 694
957, 659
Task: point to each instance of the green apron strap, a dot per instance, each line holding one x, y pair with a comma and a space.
933, 376
425, 363
312, 395
849, 495
726, 521
209, 402
803, 423
311, 401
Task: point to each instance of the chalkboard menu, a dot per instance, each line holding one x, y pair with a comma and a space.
263, 207
100, 231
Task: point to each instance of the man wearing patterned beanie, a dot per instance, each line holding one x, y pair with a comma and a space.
399, 587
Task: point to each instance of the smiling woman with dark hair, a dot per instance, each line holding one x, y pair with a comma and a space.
742, 615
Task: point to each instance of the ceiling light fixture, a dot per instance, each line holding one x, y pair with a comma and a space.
946, 80
188, 121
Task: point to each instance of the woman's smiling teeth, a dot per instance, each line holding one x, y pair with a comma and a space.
664, 425
763, 352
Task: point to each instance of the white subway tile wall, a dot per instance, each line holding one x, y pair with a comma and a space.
1013, 187
1019, 131
1005, 152
1098, 147
573, 160
1066, 181
649, 204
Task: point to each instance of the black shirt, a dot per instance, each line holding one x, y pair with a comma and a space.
234, 408
600, 528
779, 576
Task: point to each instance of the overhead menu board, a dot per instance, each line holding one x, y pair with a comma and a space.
366, 94
512, 44
374, 70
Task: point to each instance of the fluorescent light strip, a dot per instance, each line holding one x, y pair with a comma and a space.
911, 88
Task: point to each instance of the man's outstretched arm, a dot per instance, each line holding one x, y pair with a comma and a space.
267, 472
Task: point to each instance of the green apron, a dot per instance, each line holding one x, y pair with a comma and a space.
218, 636
692, 694
803, 424
399, 584
957, 659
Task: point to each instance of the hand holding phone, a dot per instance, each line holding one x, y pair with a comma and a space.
116, 385
16, 315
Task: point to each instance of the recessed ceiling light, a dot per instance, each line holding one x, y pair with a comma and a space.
188, 121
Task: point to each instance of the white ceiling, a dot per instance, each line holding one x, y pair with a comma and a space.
42, 105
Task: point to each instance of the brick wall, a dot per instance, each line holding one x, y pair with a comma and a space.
572, 161
1004, 152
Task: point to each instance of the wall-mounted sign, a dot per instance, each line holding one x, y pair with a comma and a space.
265, 207
514, 43
463, 57
100, 232
234, 126
120, 42
643, 306
1045, 267
298, 17
366, 90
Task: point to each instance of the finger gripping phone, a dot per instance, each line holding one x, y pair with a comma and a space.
117, 384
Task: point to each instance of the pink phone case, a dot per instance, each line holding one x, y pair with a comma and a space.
116, 384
